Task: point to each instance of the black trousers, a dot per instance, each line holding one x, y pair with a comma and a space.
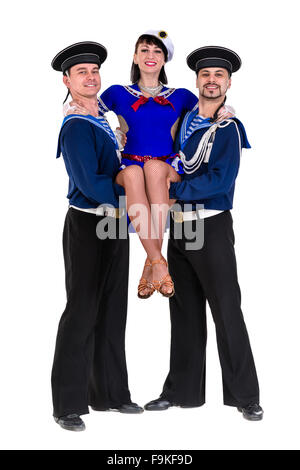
89, 362
208, 274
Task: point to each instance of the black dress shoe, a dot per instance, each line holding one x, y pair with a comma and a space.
129, 408
71, 422
252, 412
159, 404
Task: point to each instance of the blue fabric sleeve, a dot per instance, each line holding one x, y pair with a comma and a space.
244, 139
78, 141
190, 100
110, 97
176, 145
223, 168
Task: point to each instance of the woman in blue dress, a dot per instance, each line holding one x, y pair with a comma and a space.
149, 113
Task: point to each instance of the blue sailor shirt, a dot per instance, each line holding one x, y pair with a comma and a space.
91, 162
150, 128
212, 185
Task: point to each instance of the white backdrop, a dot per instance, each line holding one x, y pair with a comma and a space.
265, 94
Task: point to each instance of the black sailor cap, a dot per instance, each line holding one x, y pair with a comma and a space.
86, 52
214, 56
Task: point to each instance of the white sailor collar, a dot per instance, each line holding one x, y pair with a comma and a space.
187, 122
135, 91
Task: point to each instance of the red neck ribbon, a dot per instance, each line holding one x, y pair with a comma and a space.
158, 99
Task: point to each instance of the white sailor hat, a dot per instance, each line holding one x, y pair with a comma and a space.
86, 52
165, 39
214, 56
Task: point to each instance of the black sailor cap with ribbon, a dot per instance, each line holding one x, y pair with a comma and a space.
86, 52
214, 56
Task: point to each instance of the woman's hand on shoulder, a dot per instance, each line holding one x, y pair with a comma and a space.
75, 107
225, 112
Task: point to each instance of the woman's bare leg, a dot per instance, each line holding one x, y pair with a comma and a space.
156, 175
132, 179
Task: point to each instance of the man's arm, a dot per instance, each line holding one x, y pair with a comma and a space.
78, 141
223, 168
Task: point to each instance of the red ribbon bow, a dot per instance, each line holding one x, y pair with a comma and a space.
158, 99
163, 101
142, 100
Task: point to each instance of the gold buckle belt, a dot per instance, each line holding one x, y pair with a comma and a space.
103, 211
180, 217
177, 217
188, 216
116, 213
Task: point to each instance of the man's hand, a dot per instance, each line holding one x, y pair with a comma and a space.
75, 107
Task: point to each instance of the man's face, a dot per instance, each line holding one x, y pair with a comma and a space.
213, 82
84, 80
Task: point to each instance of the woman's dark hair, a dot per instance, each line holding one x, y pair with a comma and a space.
135, 71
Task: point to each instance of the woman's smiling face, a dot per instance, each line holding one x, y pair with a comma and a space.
149, 58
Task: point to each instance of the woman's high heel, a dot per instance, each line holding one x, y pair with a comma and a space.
144, 284
166, 281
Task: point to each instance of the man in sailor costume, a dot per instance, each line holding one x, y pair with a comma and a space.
89, 365
210, 154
